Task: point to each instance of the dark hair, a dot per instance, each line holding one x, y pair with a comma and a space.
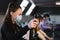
38, 16
11, 8
46, 15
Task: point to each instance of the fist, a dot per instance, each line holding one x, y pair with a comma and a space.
33, 23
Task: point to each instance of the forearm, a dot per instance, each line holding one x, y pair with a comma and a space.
45, 35
46, 27
41, 36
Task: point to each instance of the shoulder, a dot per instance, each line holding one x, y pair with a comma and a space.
4, 26
41, 22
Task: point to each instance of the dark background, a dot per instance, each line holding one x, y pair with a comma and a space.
42, 5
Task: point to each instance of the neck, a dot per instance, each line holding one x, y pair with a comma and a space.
12, 20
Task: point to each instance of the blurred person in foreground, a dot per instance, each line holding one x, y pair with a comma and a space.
11, 30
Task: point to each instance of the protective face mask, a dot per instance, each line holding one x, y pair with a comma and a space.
18, 20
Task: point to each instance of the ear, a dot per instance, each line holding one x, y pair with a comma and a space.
11, 13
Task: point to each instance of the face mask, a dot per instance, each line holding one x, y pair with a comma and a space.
18, 20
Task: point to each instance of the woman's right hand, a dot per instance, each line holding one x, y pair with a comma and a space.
33, 23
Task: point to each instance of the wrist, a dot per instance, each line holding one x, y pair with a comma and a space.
47, 37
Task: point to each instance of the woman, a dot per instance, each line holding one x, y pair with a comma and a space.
11, 28
41, 34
